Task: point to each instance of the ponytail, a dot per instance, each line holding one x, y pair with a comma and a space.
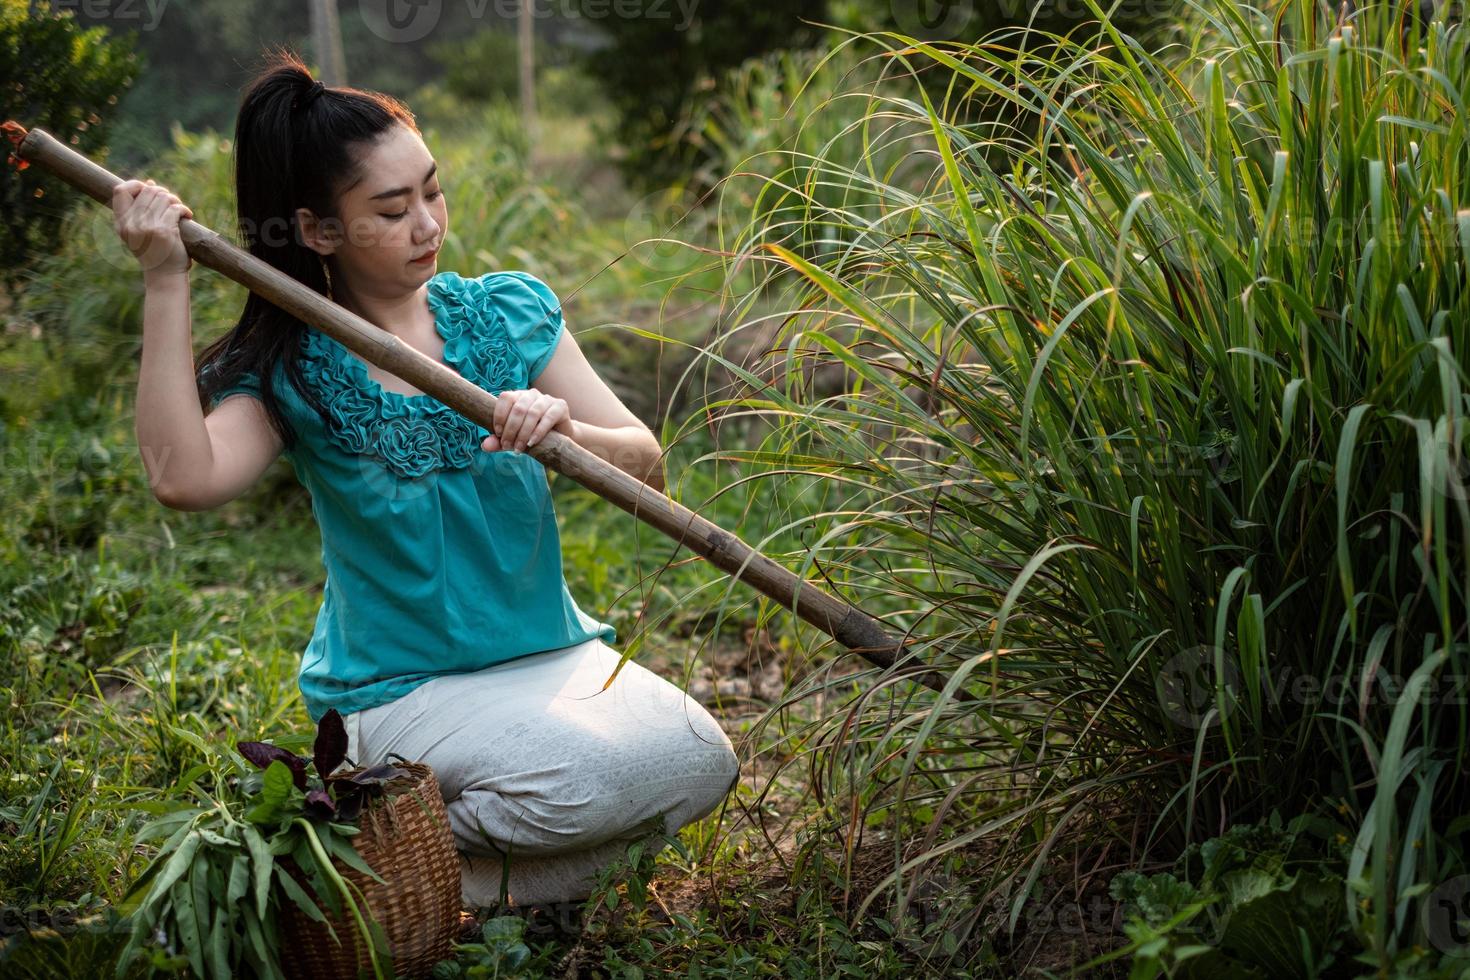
293, 148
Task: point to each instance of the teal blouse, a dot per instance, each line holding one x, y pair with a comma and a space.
440, 557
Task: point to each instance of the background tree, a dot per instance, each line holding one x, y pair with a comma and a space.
66, 79
658, 71
326, 33
197, 83
652, 69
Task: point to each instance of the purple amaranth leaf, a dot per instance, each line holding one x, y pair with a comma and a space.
349, 806
376, 775
262, 754
319, 805
352, 792
331, 743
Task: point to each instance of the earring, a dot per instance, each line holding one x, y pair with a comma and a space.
326, 274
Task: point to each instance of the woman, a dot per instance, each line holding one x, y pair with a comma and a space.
446, 632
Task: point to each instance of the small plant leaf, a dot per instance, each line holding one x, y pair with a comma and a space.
298, 895
219, 945
376, 775
262, 754
331, 743
275, 789
343, 851
264, 861
239, 879
349, 806
173, 869
319, 805
188, 925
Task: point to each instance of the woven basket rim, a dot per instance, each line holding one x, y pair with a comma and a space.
421, 781
419, 771
417, 849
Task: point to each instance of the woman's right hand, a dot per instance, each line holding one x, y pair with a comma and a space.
146, 216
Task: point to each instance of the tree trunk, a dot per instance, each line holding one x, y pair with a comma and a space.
326, 38
526, 35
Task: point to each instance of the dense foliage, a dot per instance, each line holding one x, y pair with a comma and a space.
66, 80
1127, 380
1156, 403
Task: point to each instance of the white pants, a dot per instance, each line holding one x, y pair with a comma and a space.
544, 772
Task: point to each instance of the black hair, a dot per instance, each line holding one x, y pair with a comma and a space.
293, 147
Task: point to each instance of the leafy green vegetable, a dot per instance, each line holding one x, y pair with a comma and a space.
1261, 910
217, 885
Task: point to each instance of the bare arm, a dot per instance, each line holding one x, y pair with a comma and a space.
598, 420
193, 462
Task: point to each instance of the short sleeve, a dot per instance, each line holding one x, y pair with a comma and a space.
532, 315
247, 384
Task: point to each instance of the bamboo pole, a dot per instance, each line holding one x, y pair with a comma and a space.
844, 622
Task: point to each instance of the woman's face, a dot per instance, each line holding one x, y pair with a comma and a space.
390, 223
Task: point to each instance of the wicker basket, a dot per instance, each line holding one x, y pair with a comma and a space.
406, 839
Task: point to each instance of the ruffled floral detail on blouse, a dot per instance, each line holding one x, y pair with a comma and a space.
412, 435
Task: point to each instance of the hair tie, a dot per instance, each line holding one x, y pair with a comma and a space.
317, 88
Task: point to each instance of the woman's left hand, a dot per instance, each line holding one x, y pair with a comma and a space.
522, 417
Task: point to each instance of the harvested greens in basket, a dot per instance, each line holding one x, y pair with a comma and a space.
229, 868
